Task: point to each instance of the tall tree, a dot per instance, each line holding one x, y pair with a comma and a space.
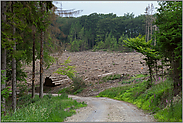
13, 67
149, 21
33, 64
169, 37
45, 6
41, 53
3, 52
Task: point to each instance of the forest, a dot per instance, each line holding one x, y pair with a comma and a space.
32, 30
98, 31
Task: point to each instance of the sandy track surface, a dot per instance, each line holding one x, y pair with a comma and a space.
107, 110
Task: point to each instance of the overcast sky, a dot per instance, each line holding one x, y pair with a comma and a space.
105, 7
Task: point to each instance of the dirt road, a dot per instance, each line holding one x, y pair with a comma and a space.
107, 110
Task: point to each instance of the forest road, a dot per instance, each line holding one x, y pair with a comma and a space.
107, 110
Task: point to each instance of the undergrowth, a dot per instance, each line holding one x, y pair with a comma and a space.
157, 100
111, 77
48, 109
77, 86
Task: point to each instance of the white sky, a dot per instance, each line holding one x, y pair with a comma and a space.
105, 7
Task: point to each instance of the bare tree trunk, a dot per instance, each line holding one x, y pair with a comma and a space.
148, 32
162, 69
13, 72
41, 61
33, 67
151, 20
41, 66
151, 27
155, 36
3, 56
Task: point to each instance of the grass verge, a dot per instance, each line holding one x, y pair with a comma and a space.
156, 100
48, 109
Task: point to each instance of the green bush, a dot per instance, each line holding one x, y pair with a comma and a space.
77, 86
66, 69
64, 96
111, 77
167, 115
74, 46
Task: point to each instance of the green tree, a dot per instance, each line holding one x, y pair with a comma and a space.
169, 36
18, 16
75, 46
66, 69
3, 55
140, 45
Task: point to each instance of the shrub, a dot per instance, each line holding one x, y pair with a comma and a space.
67, 69
77, 86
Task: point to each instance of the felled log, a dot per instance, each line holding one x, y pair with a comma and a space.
53, 81
106, 74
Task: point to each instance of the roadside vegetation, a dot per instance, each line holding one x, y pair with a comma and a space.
77, 87
156, 100
48, 109
111, 77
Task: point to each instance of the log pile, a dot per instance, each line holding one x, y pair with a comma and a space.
57, 80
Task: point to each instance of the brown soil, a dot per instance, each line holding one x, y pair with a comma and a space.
90, 65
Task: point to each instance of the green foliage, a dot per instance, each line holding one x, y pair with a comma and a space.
47, 109
64, 96
67, 69
4, 92
24, 15
169, 35
23, 89
77, 86
140, 45
139, 76
111, 77
48, 60
95, 28
167, 115
74, 46
155, 99
100, 45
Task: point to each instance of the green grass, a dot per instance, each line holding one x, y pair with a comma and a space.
153, 100
139, 76
111, 77
136, 79
48, 109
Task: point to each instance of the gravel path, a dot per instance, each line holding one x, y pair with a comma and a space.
107, 110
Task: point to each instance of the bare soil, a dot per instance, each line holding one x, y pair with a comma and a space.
89, 66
